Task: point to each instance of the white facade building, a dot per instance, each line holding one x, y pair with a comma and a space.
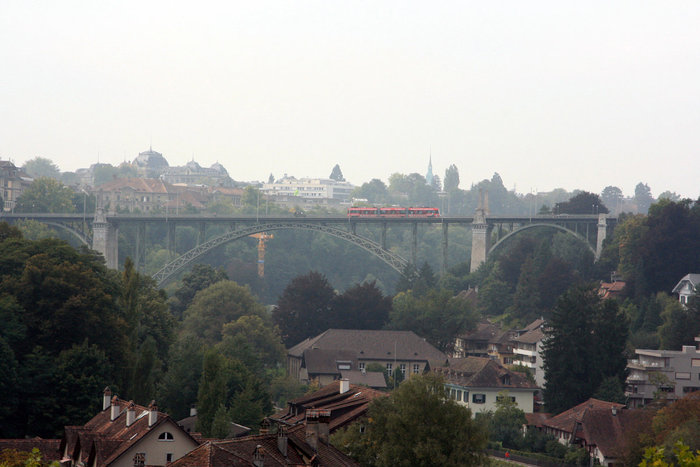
663, 373
309, 189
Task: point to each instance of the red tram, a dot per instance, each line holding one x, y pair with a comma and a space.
393, 212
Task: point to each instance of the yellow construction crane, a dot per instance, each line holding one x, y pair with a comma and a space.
262, 238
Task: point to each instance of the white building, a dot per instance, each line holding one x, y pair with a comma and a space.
527, 348
478, 382
664, 373
686, 287
309, 189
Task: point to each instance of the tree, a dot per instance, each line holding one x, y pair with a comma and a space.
218, 304
199, 278
584, 345
670, 195
506, 424
254, 342
374, 191
178, 389
46, 195
643, 197
451, 182
337, 174
362, 306
437, 316
303, 309
417, 425
41, 167
583, 203
612, 196
680, 324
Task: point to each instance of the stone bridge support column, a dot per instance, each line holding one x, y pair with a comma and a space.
171, 240
414, 245
602, 233
444, 247
384, 235
105, 239
481, 243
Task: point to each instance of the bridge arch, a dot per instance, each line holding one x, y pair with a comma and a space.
499, 243
165, 274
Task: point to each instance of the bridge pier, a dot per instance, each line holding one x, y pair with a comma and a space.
384, 235
105, 239
414, 245
202, 233
602, 233
140, 253
444, 247
481, 238
171, 240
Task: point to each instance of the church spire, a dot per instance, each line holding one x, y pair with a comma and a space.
429, 175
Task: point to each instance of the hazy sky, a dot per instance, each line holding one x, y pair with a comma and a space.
548, 94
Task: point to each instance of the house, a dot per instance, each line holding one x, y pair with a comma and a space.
597, 426
528, 350
686, 287
345, 403
478, 382
613, 289
323, 358
148, 195
481, 342
13, 182
124, 434
290, 191
670, 374
301, 445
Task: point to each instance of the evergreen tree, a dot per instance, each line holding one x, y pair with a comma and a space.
337, 174
584, 345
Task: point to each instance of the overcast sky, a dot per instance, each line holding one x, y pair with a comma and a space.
548, 94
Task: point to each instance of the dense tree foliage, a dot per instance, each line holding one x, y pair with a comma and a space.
46, 195
585, 344
41, 167
438, 316
199, 278
583, 203
417, 425
337, 174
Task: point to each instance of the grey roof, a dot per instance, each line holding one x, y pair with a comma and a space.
325, 361
530, 337
372, 379
483, 373
694, 280
373, 345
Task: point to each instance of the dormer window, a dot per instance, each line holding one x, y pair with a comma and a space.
165, 436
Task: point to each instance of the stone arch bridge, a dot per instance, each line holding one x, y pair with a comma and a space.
101, 232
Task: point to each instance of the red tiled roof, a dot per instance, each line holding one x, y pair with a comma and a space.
345, 408
241, 452
566, 420
49, 448
105, 440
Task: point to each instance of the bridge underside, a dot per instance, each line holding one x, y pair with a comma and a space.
167, 273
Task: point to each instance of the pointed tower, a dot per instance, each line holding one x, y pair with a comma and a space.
429, 175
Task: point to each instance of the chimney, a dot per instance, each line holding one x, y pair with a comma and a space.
115, 408
345, 384
312, 428
152, 413
614, 410
130, 413
259, 456
193, 411
106, 398
324, 419
282, 440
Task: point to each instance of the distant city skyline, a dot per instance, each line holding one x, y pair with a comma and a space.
548, 94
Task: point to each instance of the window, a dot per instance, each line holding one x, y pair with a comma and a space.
466, 396
361, 366
344, 365
695, 362
169, 457
389, 369
453, 393
140, 459
500, 398
403, 369
459, 395
416, 368
165, 436
682, 375
479, 398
